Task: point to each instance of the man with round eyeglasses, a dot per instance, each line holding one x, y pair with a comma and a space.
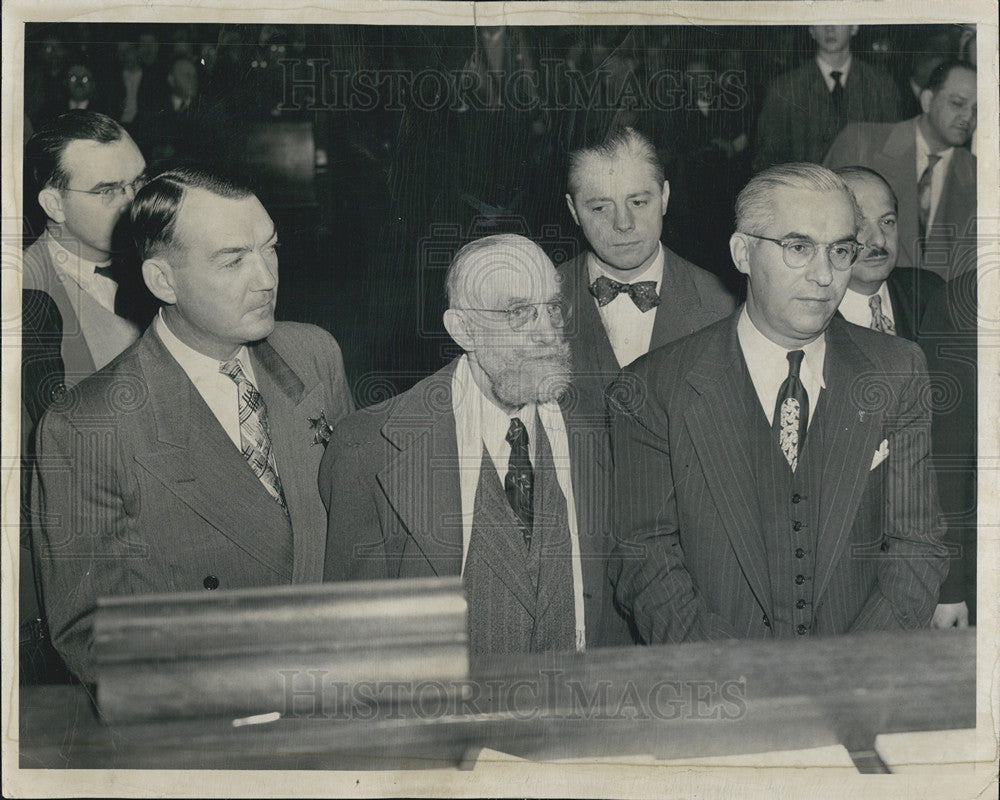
772, 472
486, 469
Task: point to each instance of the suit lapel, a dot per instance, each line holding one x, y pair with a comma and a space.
716, 422
421, 480
198, 463
851, 437
896, 162
679, 303
901, 296
289, 407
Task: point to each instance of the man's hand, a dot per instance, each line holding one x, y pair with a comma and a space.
951, 615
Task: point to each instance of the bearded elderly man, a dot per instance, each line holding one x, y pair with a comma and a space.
477, 471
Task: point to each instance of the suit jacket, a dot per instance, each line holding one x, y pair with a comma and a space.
690, 299
390, 481
138, 488
691, 561
909, 292
798, 122
891, 150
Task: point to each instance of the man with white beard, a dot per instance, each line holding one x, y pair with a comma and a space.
477, 471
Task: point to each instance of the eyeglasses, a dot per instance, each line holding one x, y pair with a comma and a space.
520, 316
110, 195
799, 252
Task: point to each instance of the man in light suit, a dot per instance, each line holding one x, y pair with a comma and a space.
926, 163
806, 108
629, 294
771, 471
477, 471
190, 462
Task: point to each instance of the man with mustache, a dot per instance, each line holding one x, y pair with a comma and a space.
477, 471
932, 173
772, 474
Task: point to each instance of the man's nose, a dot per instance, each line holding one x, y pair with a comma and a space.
265, 274
872, 235
820, 270
624, 220
542, 329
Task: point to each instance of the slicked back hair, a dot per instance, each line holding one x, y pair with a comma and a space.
855, 173
156, 206
941, 72
620, 140
510, 249
43, 154
755, 202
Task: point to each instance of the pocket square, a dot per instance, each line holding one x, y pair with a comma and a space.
880, 455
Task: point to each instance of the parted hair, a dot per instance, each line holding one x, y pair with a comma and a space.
44, 151
755, 202
154, 211
618, 140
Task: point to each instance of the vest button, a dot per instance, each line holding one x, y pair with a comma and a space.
210, 582
799, 552
799, 580
800, 604
801, 630
796, 526
796, 497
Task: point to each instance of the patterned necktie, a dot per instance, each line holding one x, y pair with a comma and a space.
880, 322
837, 94
643, 293
254, 435
791, 412
519, 483
924, 195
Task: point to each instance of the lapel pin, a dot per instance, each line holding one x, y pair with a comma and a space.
861, 416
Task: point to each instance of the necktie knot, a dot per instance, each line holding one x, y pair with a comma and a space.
105, 271
880, 321
794, 362
835, 74
516, 433
233, 369
643, 293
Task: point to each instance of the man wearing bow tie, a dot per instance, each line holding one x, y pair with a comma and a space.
772, 474
629, 294
189, 463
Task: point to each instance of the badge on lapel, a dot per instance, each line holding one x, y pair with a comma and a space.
880, 455
321, 429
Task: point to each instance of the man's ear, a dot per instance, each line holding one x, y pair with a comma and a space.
51, 201
739, 249
457, 326
572, 208
159, 278
926, 96
664, 198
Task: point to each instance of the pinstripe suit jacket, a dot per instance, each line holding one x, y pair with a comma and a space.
690, 560
138, 489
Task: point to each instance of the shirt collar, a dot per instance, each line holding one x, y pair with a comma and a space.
654, 272
195, 364
826, 69
924, 150
761, 354
70, 264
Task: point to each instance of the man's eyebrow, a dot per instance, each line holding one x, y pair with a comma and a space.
225, 251
105, 185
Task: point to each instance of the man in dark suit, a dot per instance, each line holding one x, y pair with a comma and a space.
771, 471
806, 108
189, 462
926, 163
476, 471
629, 294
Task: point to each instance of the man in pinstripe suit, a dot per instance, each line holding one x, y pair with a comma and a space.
772, 476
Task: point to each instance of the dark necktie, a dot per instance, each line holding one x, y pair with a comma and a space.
106, 272
880, 322
643, 293
924, 194
254, 435
791, 412
519, 483
837, 94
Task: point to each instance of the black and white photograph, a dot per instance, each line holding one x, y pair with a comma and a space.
525, 399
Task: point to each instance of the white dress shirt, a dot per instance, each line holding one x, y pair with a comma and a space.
629, 329
80, 271
219, 391
479, 421
854, 307
826, 69
937, 176
767, 363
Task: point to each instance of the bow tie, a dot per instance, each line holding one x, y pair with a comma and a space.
643, 293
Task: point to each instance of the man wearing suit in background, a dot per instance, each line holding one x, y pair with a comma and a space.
771, 472
806, 108
926, 163
189, 462
629, 294
477, 471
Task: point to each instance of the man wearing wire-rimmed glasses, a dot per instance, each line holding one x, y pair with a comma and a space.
484, 470
772, 476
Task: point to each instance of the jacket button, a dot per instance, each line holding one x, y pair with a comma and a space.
801, 630
800, 579
766, 621
210, 582
796, 526
796, 497
799, 552
800, 604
